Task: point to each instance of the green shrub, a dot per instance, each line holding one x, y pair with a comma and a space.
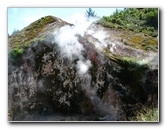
16, 56
16, 52
150, 29
119, 21
113, 20
152, 19
107, 18
147, 114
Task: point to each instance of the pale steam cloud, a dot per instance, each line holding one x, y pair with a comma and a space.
67, 40
83, 67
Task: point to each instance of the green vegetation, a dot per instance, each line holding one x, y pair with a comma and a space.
30, 32
146, 114
134, 19
17, 52
36, 27
128, 59
140, 41
125, 60
134, 60
15, 31
16, 55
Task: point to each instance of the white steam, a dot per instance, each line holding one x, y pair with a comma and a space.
83, 67
70, 47
81, 21
68, 43
101, 36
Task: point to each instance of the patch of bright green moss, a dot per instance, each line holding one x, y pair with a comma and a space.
129, 59
16, 52
135, 60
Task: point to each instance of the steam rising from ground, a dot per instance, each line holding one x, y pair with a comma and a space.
83, 67
70, 47
100, 35
68, 43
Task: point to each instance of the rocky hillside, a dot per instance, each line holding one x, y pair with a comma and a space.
61, 72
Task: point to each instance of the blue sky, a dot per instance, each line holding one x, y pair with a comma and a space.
18, 18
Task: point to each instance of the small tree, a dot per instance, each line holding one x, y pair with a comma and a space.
15, 31
89, 13
152, 18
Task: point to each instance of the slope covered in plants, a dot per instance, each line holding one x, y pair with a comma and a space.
134, 19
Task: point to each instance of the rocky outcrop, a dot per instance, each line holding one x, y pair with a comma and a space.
95, 83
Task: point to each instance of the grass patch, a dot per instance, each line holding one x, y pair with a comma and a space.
146, 114
16, 52
16, 55
132, 60
129, 59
